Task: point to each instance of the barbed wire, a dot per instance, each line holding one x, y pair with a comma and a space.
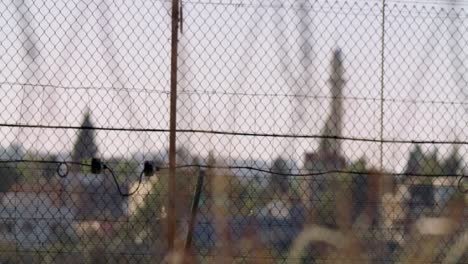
330, 8
74, 88
249, 94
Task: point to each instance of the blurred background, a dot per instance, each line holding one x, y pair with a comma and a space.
326, 131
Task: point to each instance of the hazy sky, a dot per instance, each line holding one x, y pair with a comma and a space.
240, 69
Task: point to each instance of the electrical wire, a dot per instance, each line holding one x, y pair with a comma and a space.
248, 134
460, 186
63, 171
325, 172
118, 185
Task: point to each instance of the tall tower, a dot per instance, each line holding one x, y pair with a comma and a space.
328, 157
333, 126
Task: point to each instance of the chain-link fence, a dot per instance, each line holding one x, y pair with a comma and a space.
307, 131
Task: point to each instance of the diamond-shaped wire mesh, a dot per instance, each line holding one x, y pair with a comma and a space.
323, 131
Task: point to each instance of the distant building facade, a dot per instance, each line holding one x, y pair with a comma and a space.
31, 217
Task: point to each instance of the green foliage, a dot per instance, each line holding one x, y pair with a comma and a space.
86, 166
431, 166
359, 186
25, 169
359, 166
452, 165
29, 172
126, 168
9, 253
279, 182
49, 169
414, 161
9, 175
249, 196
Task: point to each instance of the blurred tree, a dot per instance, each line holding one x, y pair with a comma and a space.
183, 156
452, 165
14, 151
85, 146
431, 167
250, 194
279, 182
125, 170
29, 172
415, 160
9, 175
422, 193
49, 169
359, 186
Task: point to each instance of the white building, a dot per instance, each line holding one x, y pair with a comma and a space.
138, 199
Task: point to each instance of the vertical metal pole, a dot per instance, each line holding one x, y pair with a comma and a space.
172, 134
382, 101
194, 211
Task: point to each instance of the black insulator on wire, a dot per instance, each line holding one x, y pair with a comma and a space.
148, 169
96, 166
62, 169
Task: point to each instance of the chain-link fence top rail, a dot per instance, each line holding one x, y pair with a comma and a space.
326, 131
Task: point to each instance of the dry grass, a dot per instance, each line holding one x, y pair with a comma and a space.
349, 242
